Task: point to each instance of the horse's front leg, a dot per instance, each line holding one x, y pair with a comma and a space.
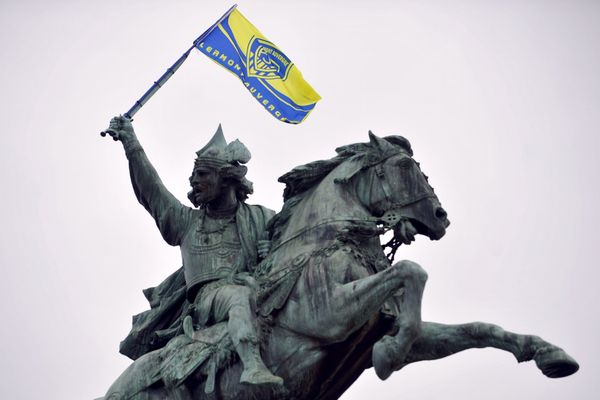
390, 350
440, 340
358, 301
333, 311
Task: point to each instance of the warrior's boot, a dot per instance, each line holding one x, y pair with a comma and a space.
255, 371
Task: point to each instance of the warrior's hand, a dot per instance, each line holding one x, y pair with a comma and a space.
120, 128
263, 247
245, 279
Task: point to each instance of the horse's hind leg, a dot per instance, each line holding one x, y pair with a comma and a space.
440, 340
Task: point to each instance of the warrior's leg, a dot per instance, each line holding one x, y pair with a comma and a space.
388, 351
440, 340
236, 302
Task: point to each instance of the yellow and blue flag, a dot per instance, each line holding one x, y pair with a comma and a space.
270, 76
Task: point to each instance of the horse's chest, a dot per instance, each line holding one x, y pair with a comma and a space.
330, 267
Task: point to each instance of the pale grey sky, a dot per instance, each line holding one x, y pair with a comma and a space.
499, 99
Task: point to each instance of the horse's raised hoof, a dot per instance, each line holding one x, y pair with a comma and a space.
555, 362
385, 359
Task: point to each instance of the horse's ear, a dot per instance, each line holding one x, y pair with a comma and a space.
380, 144
372, 136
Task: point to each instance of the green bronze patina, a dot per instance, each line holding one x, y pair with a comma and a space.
295, 305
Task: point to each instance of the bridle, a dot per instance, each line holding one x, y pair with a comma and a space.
387, 189
392, 216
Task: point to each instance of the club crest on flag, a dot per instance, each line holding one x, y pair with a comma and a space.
266, 61
268, 74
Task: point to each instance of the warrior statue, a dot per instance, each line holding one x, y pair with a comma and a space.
221, 241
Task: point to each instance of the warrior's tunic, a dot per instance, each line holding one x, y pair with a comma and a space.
210, 252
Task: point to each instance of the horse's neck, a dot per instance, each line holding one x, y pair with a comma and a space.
328, 206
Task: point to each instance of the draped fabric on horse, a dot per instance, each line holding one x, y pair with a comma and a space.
153, 328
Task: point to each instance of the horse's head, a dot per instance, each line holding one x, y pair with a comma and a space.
390, 184
378, 180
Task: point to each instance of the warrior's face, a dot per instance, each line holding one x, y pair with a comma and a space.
207, 185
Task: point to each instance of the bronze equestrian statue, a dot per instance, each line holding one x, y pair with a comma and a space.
296, 305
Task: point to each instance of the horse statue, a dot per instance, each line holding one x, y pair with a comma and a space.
331, 303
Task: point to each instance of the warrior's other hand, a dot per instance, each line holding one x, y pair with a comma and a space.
263, 247
120, 128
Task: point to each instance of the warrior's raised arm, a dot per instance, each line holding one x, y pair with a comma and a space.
170, 215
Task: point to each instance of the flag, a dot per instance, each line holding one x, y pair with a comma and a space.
270, 76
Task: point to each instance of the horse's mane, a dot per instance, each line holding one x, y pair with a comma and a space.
304, 177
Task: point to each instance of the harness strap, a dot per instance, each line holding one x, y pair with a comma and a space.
325, 222
385, 185
389, 219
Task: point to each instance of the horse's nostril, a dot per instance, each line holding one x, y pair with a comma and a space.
441, 213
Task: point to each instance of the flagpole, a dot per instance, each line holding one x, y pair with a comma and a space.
165, 77
170, 71
157, 85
